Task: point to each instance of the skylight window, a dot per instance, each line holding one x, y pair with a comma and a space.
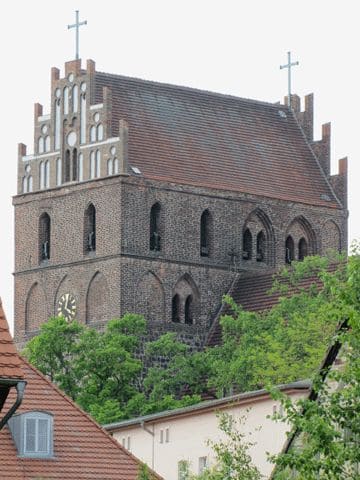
136, 170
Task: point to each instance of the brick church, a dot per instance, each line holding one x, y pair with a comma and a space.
153, 198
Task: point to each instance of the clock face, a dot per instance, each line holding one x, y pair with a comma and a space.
67, 306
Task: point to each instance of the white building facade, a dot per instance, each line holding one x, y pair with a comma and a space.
166, 440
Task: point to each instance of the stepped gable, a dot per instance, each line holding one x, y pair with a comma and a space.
82, 449
252, 293
10, 363
199, 138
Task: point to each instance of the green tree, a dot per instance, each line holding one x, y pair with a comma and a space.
233, 461
54, 352
326, 428
285, 343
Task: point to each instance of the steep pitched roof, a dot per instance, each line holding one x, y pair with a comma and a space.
82, 449
10, 363
195, 137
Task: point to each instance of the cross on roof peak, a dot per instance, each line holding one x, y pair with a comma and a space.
288, 66
77, 25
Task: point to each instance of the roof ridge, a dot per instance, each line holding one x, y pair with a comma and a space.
193, 89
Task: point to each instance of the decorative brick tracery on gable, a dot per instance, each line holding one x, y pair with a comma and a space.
35, 310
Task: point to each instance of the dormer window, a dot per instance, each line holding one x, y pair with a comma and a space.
32, 433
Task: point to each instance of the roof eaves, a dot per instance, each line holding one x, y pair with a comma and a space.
300, 385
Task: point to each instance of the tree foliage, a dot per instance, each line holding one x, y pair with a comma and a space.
233, 461
116, 374
325, 442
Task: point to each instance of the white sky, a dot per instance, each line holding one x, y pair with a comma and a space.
232, 46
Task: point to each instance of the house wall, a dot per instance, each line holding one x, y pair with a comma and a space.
188, 436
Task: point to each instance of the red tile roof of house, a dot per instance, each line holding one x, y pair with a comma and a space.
82, 449
10, 364
193, 137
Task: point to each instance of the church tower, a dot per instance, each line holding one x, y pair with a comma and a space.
151, 198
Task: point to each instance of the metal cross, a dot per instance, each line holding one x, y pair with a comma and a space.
76, 25
288, 66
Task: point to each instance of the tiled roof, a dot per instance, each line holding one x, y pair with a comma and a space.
194, 137
10, 363
82, 449
252, 293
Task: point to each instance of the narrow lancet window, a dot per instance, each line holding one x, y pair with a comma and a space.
58, 171
175, 309
98, 163
67, 169
303, 248
66, 100
92, 134
74, 165
188, 310
92, 165
247, 245
205, 222
260, 247
47, 174
100, 132
155, 239
83, 119
90, 229
42, 175
289, 250
57, 125
81, 167
44, 237
75, 98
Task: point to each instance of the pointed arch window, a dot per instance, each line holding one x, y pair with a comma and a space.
110, 166
247, 245
98, 163
90, 229
289, 250
81, 167
175, 309
303, 248
92, 134
155, 238
116, 166
100, 132
47, 174
67, 168
44, 237
74, 165
205, 233
260, 246
66, 100
92, 164
42, 175
58, 171
189, 310
75, 98
41, 145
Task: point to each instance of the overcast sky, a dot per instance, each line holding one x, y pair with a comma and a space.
232, 46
